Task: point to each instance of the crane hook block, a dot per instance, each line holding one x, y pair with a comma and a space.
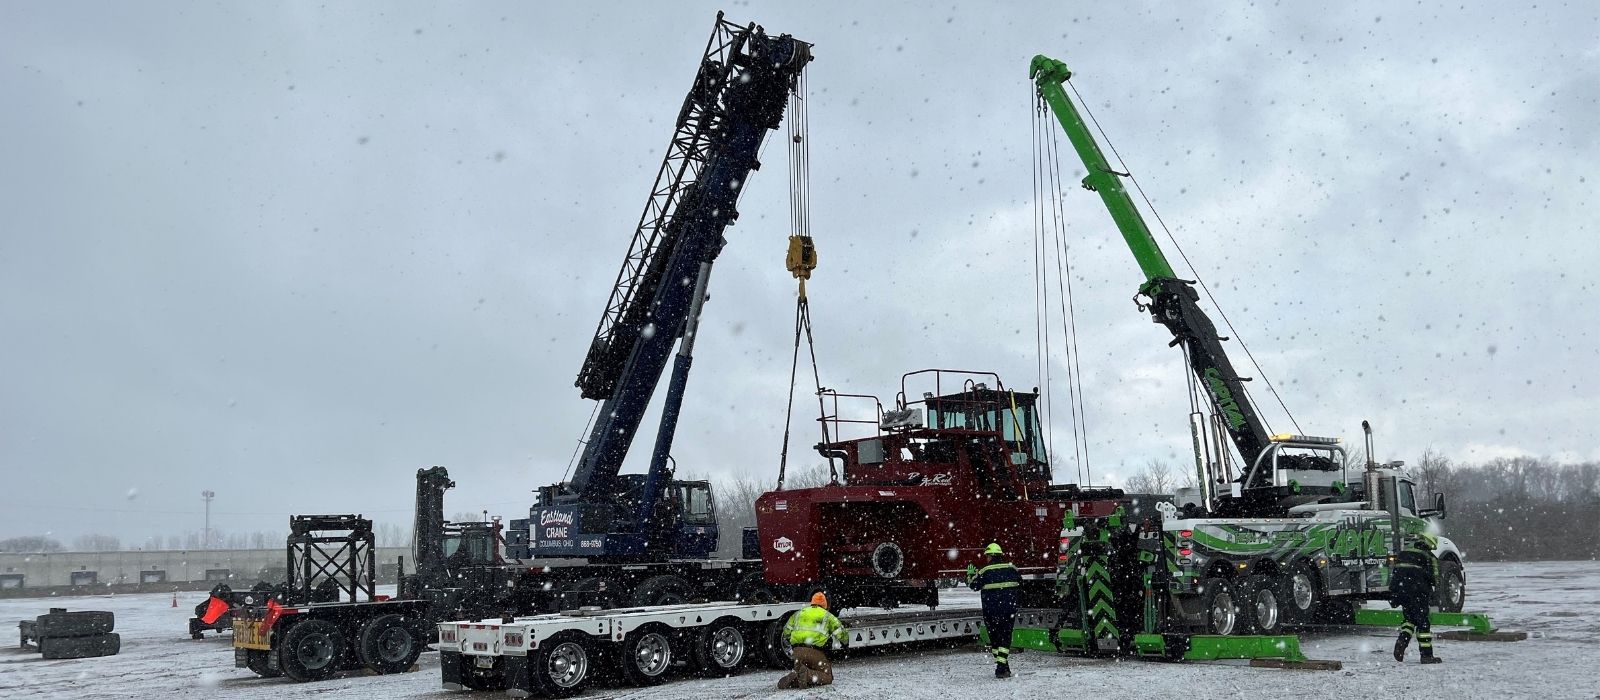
802, 258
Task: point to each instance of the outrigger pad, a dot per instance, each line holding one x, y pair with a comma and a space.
1468, 636
1307, 665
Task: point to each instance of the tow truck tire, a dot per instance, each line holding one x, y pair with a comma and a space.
646, 656
1452, 588
311, 650
775, 650
662, 590
259, 662
389, 644
1262, 604
720, 648
1220, 607
560, 667
1300, 595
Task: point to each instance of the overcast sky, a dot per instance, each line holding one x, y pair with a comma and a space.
291, 252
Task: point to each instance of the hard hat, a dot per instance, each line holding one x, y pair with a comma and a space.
993, 549
819, 599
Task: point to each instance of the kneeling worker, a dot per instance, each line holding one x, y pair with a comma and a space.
999, 582
809, 630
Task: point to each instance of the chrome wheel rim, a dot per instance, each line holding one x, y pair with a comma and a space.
652, 655
727, 647
1223, 614
1302, 591
1455, 589
1266, 610
569, 663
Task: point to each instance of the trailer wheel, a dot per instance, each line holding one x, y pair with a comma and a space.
775, 649
259, 662
646, 656
662, 590
388, 644
719, 648
1220, 608
1452, 586
559, 668
1262, 607
1301, 594
311, 650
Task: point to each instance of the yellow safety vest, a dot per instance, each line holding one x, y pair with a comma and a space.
812, 626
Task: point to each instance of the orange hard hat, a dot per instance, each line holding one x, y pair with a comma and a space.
819, 599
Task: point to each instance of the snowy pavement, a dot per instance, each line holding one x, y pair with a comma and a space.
1557, 603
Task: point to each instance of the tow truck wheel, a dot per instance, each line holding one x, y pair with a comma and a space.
1262, 607
775, 649
646, 656
388, 644
1452, 586
559, 668
719, 648
1221, 609
311, 650
260, 663
1300, 594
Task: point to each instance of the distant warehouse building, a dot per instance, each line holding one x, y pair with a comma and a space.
55, 572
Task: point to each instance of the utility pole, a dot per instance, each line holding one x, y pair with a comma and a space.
205, 542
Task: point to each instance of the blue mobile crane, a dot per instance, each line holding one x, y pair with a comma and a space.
600, 514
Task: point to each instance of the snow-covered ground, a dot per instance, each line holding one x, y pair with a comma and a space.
1557, 603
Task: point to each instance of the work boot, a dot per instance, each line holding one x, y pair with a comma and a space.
1430, 659
1002, 670
1400, 647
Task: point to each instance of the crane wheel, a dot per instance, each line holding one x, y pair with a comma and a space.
311, 650
389, 644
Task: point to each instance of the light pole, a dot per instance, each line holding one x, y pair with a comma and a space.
205, 542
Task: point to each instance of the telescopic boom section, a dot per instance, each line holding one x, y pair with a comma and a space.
1173, 302
739, 93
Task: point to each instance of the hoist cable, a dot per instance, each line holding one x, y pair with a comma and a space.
1069, 319
1041, 306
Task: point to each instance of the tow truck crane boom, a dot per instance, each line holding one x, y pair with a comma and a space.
1173, 301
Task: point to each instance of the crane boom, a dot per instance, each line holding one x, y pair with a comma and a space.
739, 93
1173, 302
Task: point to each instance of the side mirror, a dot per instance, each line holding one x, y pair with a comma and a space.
1438, 504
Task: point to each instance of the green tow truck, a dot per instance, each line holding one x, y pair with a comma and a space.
1287, 538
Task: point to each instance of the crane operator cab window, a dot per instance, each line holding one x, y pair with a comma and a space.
469, 547
698, 506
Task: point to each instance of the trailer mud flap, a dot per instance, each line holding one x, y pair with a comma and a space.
518, 685
450, 670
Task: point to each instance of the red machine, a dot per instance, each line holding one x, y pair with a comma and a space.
941, 477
